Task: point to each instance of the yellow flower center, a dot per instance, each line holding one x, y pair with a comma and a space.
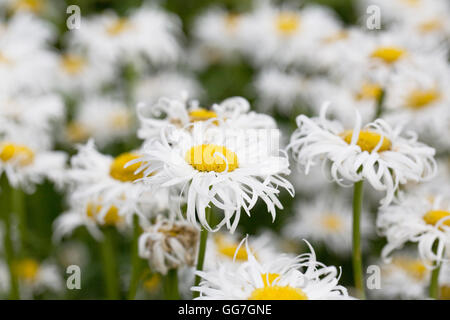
368, 140
152, 283
331, 222
369, 91
111, 218
27, 269
211, 157
431, 25
35, 6
419, 99
231, 21
18, 153
444, 292
434, 216
201, 115
72, 64
411, 3
287, 23
413, 267
118, 170
121, 119
4, 59
388, 54
118, 27
230, 250
270, 292
76, 132
338, 36
269, 278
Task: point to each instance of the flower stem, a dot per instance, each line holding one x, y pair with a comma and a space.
18, 207
170, 285
380, 101
110, 270
434, 280
202, 250
356, 258
8, 246
136, 263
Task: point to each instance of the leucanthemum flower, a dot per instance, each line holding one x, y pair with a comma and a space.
283, 278
376, 153
405, 277
419, 98
90, 213
126, 39
103, 119
226, 248
326, 220
78, 73
169, 84
285, 36
25, 58
26, 163
169, 244
279, 90
213, 167
417, 219
232, 113
218, 34
98, 177
444, 281
34, 277
37, 113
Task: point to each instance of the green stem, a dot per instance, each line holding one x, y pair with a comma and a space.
434, 281
136, 262
380, 101
8, 245
356, 258
202, 250
170, 285
110, 271
18, 208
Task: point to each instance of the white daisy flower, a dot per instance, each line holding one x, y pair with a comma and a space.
283, 278
105, 119
232, 113
328, 222
444, 282
278, 90
25, 163
420, 220
167, 84
218, 33
284, 35
79, 73
169, 244
89, 213
419, 98
98, 177
376, 153
226, 248
354, 95
423, 15
25, 59
34, 277
35, 113
223, 168
37, 7
114, 38
380, 56
405, 277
